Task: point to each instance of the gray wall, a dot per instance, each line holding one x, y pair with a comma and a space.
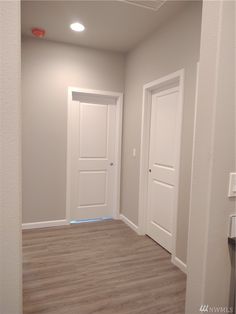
10, 160
48, 68
174, 46
209, 263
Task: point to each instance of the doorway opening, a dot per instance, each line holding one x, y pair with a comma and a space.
160, 160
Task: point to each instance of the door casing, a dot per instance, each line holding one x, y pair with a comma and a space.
78, 94
175, 79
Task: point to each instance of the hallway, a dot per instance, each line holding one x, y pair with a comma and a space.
101, 267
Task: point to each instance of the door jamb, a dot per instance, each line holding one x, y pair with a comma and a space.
171, 80
118, 97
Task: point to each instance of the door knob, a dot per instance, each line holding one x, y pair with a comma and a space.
150, 170
111, 164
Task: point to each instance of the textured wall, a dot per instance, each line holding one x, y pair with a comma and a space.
48, 68
10, 164
209, 265
173, 46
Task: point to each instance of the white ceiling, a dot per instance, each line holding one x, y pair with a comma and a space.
116, 25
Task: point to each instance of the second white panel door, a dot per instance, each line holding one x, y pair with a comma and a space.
94, 156
162, 166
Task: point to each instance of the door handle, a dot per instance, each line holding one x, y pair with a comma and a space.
111, 164
150, 170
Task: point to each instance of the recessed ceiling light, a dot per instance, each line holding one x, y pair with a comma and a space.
77, 27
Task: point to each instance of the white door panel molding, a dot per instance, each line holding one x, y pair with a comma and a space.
160, 159
93, 154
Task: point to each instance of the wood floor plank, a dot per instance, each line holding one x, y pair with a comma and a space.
98, 268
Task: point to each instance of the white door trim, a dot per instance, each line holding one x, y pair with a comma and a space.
118, 99
172, 80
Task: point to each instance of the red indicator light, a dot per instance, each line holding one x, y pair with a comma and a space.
38, 32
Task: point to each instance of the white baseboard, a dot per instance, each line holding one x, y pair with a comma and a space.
44, 224
129, 223
181, 265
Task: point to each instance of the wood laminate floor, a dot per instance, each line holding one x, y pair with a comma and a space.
100, 267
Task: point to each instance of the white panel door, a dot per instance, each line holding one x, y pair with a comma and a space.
94, 155
164, 141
